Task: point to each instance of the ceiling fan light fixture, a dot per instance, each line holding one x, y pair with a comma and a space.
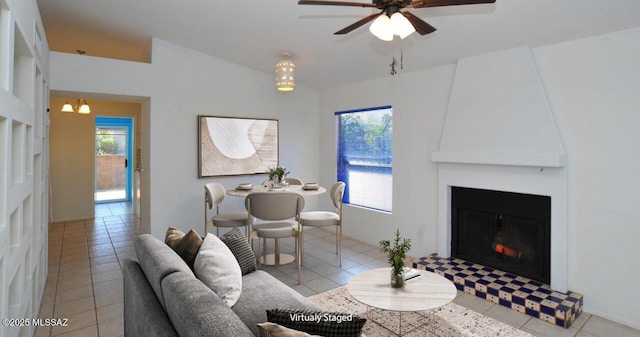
285, 69
381, 28
400, 25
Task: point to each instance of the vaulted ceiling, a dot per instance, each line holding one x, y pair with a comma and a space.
254, 33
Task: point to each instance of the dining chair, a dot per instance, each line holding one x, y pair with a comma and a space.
290, 181
319, 219
293, 181
279, 217
213, 196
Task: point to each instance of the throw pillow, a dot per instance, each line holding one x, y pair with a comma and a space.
186, 245
334, 324
268, 329
216, 267
172, 236
239, 246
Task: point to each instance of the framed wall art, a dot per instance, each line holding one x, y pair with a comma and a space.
230, 146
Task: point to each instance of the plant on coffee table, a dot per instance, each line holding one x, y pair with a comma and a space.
396, 255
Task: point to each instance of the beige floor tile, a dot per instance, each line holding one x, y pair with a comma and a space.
68, 308
75, 322
101, 268
114, 328
109, 297
42, 332
506, 315
605, 328
107, 276
74, 282
103, 260
74, 294
82, 332
110, 312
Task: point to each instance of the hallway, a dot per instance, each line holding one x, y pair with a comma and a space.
85, 279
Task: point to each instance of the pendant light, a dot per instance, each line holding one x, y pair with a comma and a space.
285, 68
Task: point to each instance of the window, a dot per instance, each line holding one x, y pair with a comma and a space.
365, 156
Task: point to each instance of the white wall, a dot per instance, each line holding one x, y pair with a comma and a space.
593, 88
592, 85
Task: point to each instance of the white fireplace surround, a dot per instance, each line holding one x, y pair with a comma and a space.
500, 134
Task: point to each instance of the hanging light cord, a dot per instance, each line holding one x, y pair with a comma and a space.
394, 61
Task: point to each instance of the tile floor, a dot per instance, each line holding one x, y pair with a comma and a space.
85, 280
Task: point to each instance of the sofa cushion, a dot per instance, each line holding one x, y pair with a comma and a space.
261, 291
157, 261
239, 246
216, 267
186, 245
196, 311
334, 324
268, 329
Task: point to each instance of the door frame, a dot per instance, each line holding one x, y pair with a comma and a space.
127, 123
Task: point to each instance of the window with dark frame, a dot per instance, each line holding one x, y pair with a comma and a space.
365, 156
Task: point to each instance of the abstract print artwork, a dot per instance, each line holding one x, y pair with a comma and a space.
236, 146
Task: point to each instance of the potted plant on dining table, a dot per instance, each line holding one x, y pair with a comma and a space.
277, 175
396, 255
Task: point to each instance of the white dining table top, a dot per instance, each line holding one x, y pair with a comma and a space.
289, 188
429, 291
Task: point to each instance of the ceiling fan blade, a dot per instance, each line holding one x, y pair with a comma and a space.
335, 3
437, 3
421, 27
357, 24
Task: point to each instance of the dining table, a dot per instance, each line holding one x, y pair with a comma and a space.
243, 192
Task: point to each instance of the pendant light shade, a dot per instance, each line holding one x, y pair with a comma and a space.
67, 107
285, 69
84, 107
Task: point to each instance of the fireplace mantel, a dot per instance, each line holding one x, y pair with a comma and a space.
501, 158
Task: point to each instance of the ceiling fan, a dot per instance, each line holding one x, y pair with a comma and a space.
406, 21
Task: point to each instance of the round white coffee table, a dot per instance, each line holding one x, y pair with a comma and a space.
428, 291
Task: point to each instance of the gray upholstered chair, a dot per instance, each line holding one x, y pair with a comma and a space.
279, 215
324, 218
213, 196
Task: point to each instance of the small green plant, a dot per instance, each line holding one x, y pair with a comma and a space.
106, 143
278, 172
397, 253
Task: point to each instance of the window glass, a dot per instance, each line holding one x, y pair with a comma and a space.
365, 156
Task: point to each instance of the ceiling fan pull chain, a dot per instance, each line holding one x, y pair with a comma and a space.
393, 64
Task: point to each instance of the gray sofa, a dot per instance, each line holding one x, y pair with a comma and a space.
162, 297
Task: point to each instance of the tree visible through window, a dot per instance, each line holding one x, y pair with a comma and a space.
365, 156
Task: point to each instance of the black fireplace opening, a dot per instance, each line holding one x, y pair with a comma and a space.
504, 230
